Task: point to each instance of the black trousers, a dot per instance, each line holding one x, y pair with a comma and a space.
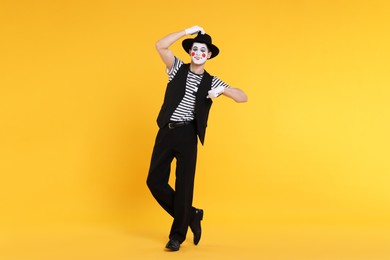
180, 143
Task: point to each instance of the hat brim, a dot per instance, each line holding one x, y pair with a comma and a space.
187, 45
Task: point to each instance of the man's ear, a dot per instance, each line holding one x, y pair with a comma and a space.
209, 55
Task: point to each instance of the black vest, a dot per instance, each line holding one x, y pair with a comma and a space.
175, 93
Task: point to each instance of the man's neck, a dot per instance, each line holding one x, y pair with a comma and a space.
197, 69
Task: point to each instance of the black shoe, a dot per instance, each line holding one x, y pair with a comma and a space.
173, 245
195, 225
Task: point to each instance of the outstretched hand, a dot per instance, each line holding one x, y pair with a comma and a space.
194, 29
216, 92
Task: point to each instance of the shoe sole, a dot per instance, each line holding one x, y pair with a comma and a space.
171, 249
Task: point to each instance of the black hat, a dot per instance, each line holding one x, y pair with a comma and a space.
201, 38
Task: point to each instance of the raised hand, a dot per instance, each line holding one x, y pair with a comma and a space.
194, 29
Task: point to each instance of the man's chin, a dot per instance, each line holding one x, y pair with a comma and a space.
198, 62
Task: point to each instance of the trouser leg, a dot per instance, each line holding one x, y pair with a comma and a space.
159, 171
186, 154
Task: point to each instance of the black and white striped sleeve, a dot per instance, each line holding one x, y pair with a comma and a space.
176, 66
217, 82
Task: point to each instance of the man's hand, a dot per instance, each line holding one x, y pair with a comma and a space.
194, 29
216, 92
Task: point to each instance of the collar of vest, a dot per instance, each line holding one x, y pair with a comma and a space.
188, 66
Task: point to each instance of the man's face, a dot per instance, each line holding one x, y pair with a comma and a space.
199, 53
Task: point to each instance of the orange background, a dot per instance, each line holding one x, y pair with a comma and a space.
301, 170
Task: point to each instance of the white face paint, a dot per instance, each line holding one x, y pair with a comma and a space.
199, 53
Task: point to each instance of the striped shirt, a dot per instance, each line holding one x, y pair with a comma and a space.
186, 108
